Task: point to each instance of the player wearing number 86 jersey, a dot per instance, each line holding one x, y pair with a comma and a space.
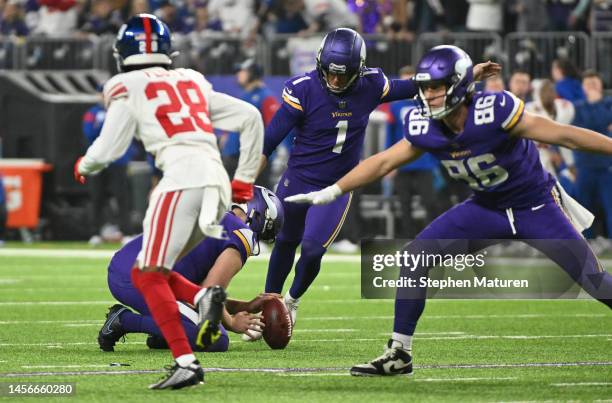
173, 112
502, 170
486, 140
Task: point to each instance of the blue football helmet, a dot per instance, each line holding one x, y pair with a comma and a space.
342, 52
265, 215
143, 40
450, 66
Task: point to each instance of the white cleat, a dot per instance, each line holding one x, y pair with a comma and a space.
292, 306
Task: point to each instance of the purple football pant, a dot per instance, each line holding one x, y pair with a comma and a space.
315, 227
142, 322
535, 225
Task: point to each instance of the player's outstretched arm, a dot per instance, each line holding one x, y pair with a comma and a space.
114, 140
367, 171
547, 131
405, 89
232, 114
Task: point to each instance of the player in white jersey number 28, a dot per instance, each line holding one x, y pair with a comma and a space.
173, 112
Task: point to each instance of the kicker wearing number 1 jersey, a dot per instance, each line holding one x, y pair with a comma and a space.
329, 123
173, 112
329, 109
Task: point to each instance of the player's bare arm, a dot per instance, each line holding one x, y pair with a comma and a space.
252, 306
547, 131
367, 171
227, 265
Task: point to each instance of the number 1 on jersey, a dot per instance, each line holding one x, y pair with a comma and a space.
341, 138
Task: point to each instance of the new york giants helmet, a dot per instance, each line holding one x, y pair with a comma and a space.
450, 66
143, 40
265, 215
342, 52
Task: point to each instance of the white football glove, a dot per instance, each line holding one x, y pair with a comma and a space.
323, 196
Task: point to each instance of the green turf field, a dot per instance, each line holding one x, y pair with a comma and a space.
51, 309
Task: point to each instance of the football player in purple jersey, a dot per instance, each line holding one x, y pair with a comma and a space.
328, 108
212, 261
487, 140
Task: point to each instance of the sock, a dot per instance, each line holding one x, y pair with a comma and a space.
307, 267
281, 263
198, 295
185, 359
407, 314
183, 289
136, 323
164, 309
405, 339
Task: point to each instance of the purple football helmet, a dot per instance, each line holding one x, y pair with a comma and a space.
450, 66
342, 52
265, 215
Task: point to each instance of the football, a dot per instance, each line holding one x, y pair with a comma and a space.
277, 332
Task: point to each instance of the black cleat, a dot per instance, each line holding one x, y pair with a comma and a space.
112, 330
179, 377
395, 361
210, 310
155, 342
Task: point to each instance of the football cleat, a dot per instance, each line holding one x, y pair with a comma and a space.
394, 361
180, 377
112, 330
210, 310
292, 306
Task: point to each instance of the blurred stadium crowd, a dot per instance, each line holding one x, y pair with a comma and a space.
244, 19
558, 85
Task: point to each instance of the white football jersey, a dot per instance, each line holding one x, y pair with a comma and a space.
173, 113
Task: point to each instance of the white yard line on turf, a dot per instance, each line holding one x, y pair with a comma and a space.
314, 370
66, 366
343, 340
509, 316
106, 254
515, 336
583, 384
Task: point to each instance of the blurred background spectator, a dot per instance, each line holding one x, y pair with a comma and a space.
567, 80
559, 161
12, 22
520, 84
529, 15
57, 18
485, 15
284, 36
594, 172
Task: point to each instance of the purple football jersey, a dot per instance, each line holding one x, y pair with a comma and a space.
503, 171
329, 137
197, 263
